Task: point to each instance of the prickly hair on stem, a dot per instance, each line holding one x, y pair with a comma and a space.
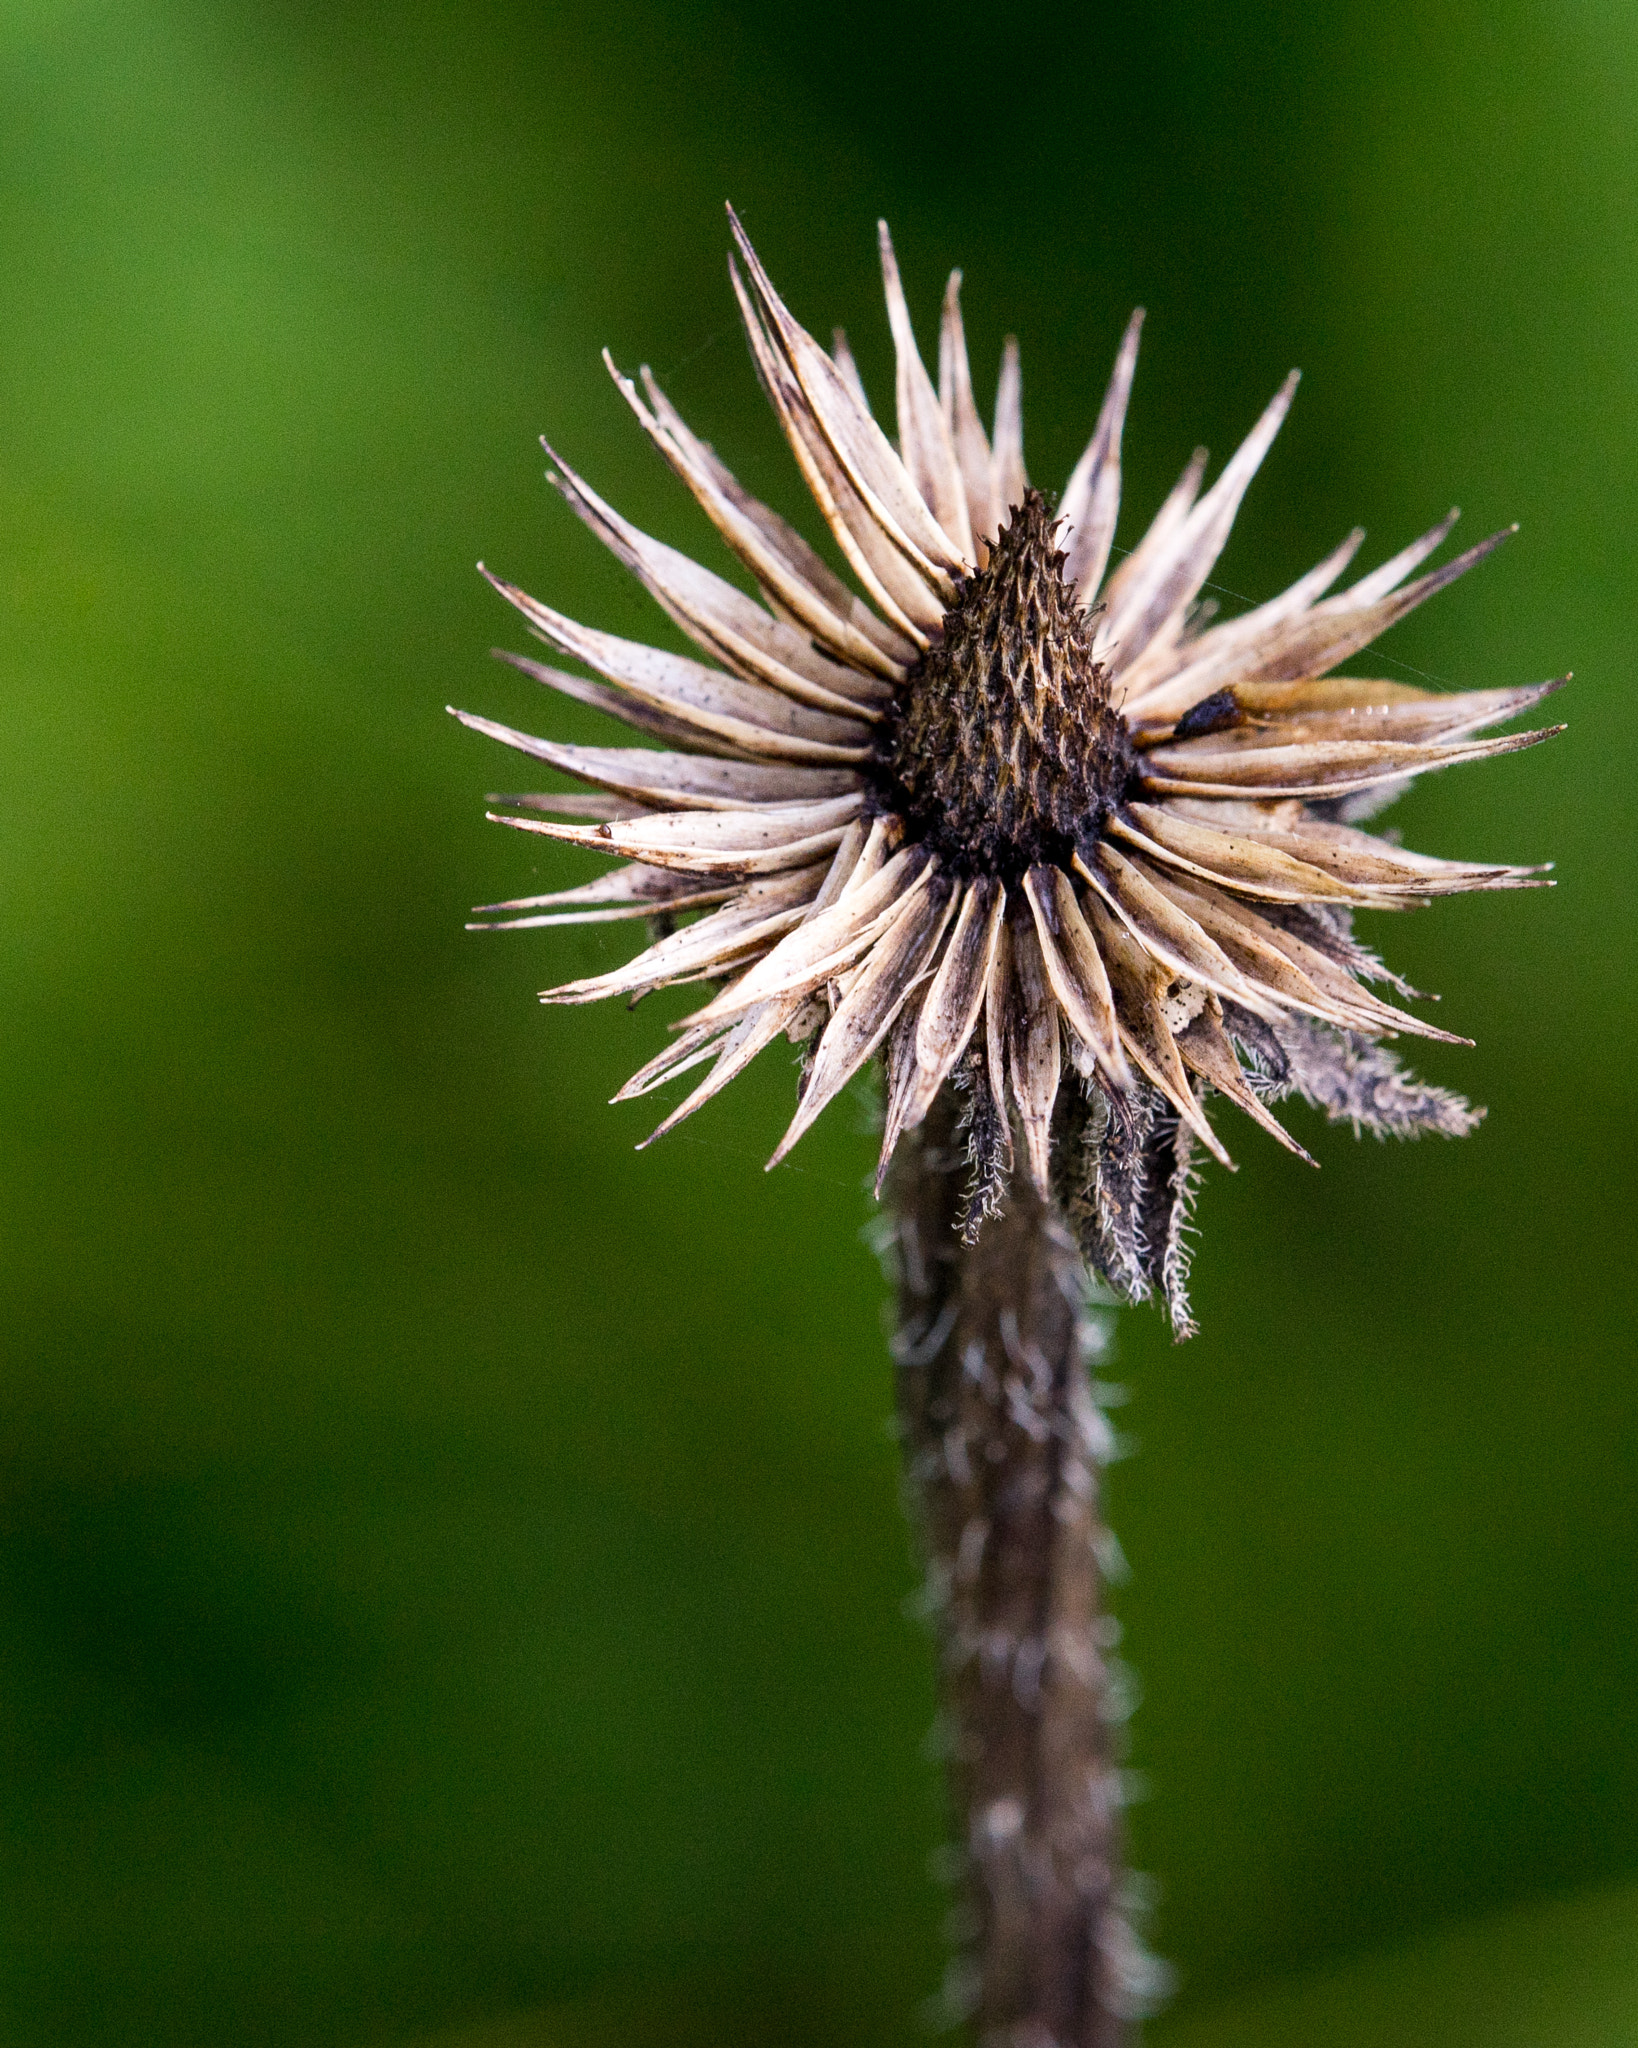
1004, 1445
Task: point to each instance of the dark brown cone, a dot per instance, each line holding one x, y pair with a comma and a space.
1002, 1446
1007, 752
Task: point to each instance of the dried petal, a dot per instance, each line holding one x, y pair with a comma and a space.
924, 437
971, 443
1091, 500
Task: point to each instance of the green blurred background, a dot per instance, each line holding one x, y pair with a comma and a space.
451, 1571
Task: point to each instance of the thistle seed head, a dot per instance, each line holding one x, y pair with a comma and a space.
1032, 828
1007, 753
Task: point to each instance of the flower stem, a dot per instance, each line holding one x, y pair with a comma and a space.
1002, 1448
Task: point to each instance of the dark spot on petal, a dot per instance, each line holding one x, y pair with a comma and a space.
1212, 714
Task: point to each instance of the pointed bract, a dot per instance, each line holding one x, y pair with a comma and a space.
1091, 499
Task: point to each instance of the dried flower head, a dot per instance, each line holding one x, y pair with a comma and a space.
1035, 828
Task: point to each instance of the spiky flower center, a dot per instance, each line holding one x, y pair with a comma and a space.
1006, 751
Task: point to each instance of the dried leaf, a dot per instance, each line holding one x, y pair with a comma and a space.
752, 922
747, 842
899, 587
1322, 768
833, 938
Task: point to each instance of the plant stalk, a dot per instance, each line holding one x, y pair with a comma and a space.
1003, 1447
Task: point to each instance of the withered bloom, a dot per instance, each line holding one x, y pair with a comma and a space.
1024, 822
1072, 856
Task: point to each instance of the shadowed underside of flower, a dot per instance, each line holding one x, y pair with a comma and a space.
1028, 825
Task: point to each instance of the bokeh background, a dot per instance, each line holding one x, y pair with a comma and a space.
451, 1573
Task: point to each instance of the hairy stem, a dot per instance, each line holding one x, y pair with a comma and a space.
1002, 1447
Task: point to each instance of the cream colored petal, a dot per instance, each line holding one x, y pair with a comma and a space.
680, 729
691, 1027
1091, 500
601, 909
1286, 970
1075, 970
1155, 688
675, 781
1169, 678
844, 863
767, 840
646, 889
1248, 941
1316, 640
1133, 570
1329, 693
1393, 572
924, 439
753, 922
972, 444
1140, 985
886, 976
1034, 1048
1235, 860
861, 447
1338, 983
792, 577
1208, 1051
1156, 921
844, 868
574, 803
1352, 855
1333, 707
1326, 768
949, 1015
899, 1076
805, 588
842, 356
1341, 708
1177, 573
895, 585
751, 1035
830, 939
721, 619
883, 837
755, 719
704, 1042
1008, 458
